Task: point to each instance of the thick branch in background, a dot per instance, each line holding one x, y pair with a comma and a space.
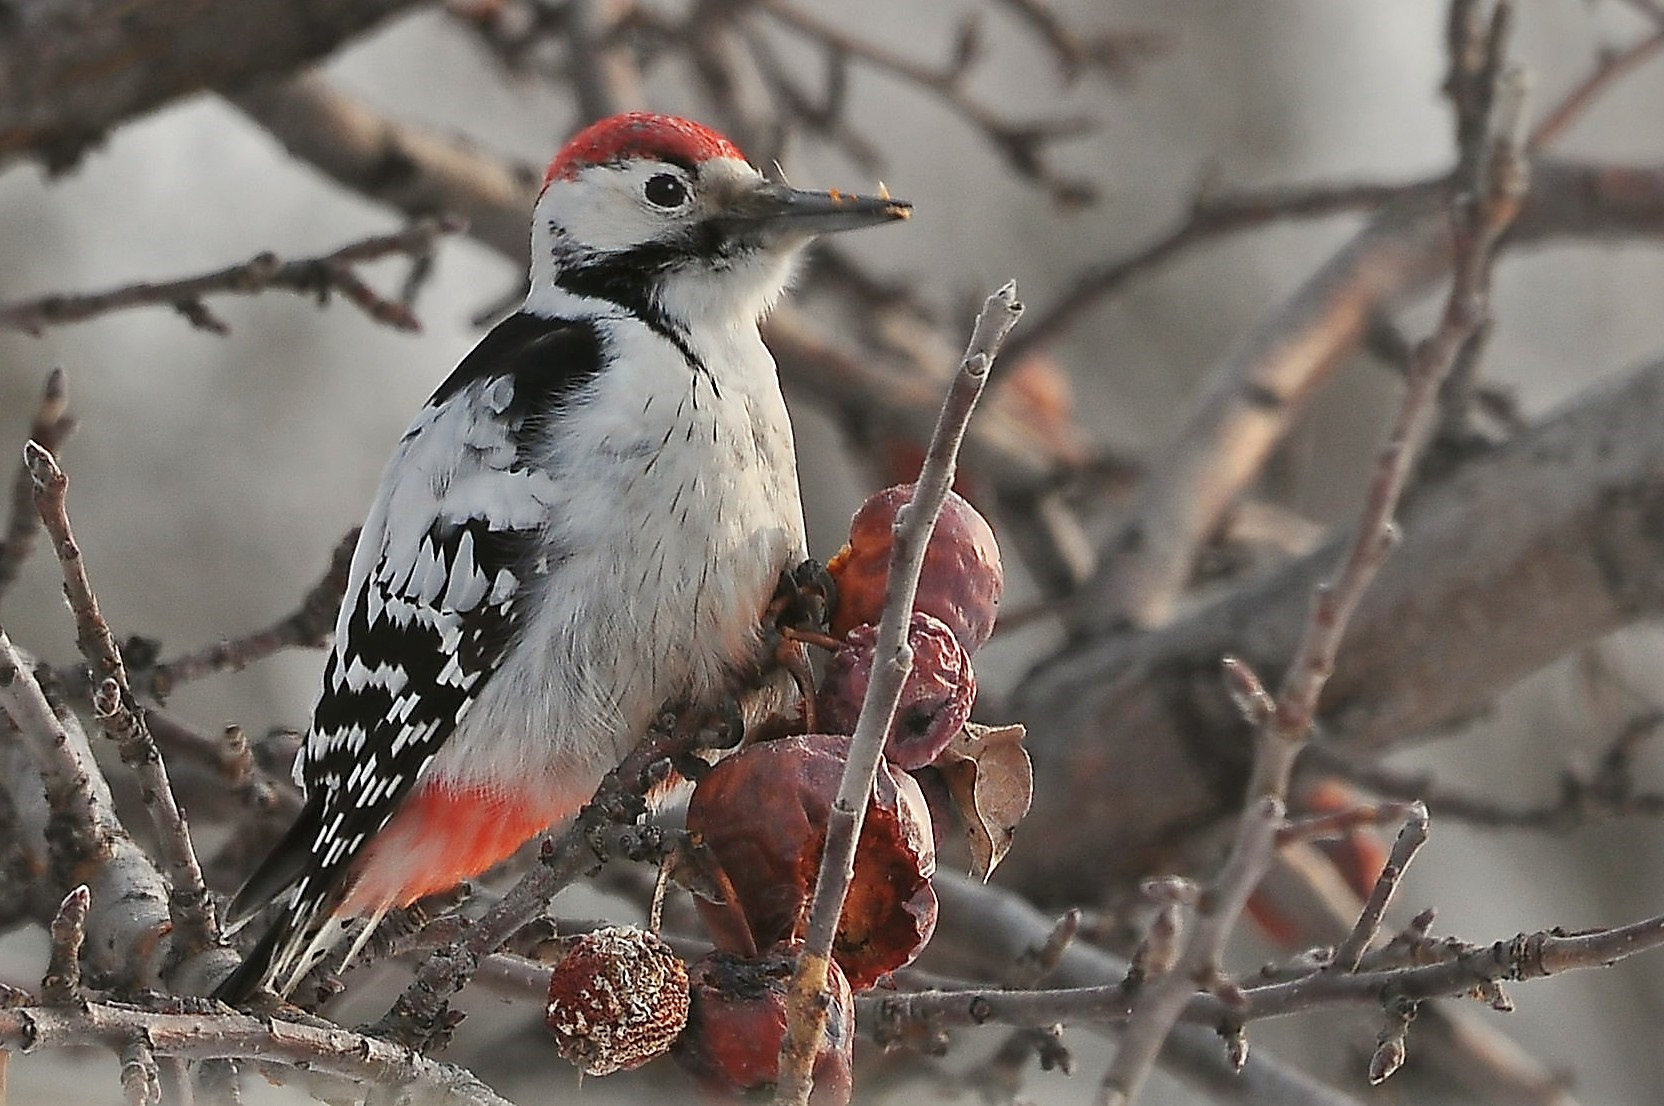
71, 70
1259, 390
1552, 541
413, 170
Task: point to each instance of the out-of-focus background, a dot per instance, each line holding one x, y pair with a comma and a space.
211, 476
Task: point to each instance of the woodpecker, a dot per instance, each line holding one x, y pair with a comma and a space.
583, 525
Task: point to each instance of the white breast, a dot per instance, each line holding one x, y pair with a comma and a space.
674, 508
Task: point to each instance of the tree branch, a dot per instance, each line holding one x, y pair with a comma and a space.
1501, 590
317, 276
190, 911
63, 800
72, 70
1459, 969
201, 1035
51, 427
1487, 198
421, 1018
409, 169
1256, 393
310, 626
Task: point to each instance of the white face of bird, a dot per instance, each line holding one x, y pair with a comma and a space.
711, 239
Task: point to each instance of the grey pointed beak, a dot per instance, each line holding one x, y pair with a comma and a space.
775, 210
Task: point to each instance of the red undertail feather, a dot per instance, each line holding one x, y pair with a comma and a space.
441, 836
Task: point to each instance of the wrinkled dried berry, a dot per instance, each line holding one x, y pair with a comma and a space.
616, 1000
738, 1019
763, 812
935, 701
962, 576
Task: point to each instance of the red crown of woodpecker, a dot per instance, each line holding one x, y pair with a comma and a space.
639, 134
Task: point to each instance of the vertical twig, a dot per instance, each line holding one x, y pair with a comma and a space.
217, 1083
123, 720
1390, 1047
62, 982
806, 1003
1490, 182
50, 427
1350, 952
173, 1083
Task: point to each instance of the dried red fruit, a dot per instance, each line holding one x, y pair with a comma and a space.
738, 1019
935, 701
762, 813
617, 999
961, 580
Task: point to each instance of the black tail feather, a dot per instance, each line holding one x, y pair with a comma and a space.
282, 867
241, 984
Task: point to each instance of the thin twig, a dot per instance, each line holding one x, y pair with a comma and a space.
81, 821
1210, 216
1483, 208
1350, 952
1334, 824
51, 427
1612, 67
806, 1008
317, 276
1198, 961
1607, 791
1390, 1049
61, 985
1456, 969
194, 925
1117, 53
1039, 961
1023, 145
141, 1079
308, 626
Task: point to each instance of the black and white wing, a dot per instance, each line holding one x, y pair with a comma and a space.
431, 609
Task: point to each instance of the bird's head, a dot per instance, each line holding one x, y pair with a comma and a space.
652, 211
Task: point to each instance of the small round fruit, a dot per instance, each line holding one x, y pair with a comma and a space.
617, 999
961, 580
935, 701
738, 1019
763, 813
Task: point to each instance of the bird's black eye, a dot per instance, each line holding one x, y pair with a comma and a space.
666, 190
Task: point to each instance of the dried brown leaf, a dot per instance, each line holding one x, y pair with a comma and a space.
991, 781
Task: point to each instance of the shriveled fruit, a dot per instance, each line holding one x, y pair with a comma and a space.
935, 701
961, 580
763, 812
617, 999
738, 1019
